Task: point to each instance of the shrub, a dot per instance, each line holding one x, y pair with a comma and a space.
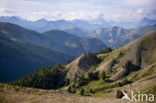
67, 82
129, 66
107, 50
91, 90
120, 85
93, 76
103, 75
82, 91
69, 89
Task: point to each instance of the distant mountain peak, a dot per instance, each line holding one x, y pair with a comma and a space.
146, 21
11, 18
116, 27
42, 20
74, 28
76, 31
146, 18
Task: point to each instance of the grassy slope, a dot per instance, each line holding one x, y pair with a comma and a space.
143, 80
141, 53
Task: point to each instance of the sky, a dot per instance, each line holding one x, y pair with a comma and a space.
116, 10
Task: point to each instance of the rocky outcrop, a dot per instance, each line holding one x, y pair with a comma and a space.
88, 60
81, 65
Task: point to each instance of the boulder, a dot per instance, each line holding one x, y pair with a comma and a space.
119, 94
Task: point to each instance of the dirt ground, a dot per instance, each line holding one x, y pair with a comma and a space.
29, 95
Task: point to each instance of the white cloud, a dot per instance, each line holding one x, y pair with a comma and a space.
57, 15
139, 2
7, 12
117, 10
140, 11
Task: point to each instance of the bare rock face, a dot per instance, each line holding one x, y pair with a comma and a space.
81, 65
88, 60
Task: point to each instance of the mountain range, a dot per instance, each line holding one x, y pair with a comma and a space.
26, 50
127, 68
107, 32
117, 36
71, 58
63, 45
44, 25
130, 68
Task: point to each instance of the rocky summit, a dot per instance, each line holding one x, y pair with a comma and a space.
88, 60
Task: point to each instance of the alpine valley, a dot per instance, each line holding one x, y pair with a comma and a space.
76, 61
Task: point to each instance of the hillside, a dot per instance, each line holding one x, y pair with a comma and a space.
17, 94
131, 68
60, 40
23, 58
12, 31
76, 31
114, 35
81, 65
134, 64
72, 44
24, 51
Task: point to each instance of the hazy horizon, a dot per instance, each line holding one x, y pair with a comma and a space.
115, 10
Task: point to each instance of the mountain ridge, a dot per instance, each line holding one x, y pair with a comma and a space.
45, 49
113, 70
43, 25
117, 36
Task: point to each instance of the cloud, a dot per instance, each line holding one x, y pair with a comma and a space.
57, 15
7, 12
117, 10
140, 11
137, 3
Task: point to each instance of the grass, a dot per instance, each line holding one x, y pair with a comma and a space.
2, 93
116, 54
99, 87
142, 73
2, 90
35, 101
2, 100
110, 75
152, 90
